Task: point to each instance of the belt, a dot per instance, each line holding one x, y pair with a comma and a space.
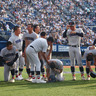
74, 45
32, 47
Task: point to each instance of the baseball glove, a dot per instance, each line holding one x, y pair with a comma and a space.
93, 75
10, 63
52, 65
52, 78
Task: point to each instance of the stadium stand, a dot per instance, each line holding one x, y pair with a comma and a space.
51, 15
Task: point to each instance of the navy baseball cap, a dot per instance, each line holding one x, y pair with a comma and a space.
71, 23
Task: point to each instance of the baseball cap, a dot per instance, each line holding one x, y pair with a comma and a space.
71, 23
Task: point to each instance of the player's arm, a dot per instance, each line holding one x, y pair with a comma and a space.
16, 57
73, 33
27, 42
65, 32
23, 46
89, 65
12, 62
39, 55
57, 70
94, 42
95, 60
2, 59
11, 39
50, 51
79, 34
44, 56
1, 56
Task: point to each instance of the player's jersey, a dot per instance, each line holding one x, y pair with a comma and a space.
8, 55
58, 65
39, 44
17, 41
38, 35
74, 39
30, 37
93, 51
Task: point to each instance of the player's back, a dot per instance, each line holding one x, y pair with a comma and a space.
39, 44
59, 64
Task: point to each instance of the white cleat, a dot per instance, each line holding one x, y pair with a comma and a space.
12, 80
88, 77
44, 78
34, 80
83, 78
29, 79
18, 78
74, 78
21, 77
40, 81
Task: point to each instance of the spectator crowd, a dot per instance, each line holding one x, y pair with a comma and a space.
51, 15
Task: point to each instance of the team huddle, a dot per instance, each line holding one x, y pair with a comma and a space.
34, 50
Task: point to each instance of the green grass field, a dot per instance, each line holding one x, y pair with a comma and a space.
65, 88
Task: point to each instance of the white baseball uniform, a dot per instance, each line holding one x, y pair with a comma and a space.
87, 51
8, 55
32, 50
17, 41
29, 37
59, 66
74, 46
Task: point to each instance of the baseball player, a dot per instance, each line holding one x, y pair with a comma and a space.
17, 41
94, 43
41, 35
90, 55
27, 39
56, 68
9, 55
74, 37
32, 51
37, 29
48, 55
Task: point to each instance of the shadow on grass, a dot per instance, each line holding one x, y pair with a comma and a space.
30, 85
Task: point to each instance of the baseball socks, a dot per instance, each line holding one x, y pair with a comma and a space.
73, 73
88, 73
43, 74
39, 80
82, 72
13, 78
33, 77
20, 73
42, 70
19, 77
29, 74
